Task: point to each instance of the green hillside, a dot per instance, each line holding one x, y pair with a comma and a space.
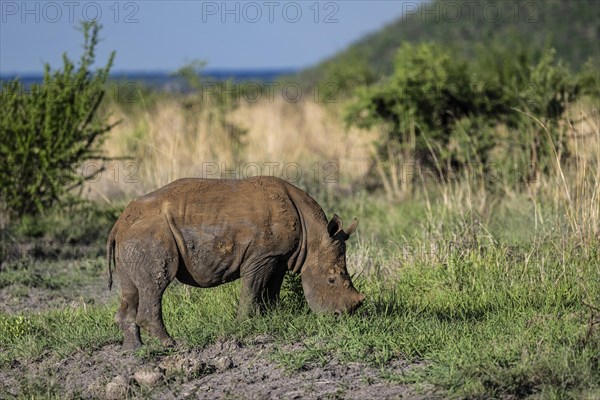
572, 27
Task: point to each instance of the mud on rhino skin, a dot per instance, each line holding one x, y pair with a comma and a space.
206, 232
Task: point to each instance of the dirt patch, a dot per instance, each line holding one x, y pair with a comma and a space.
35, 286
223, 370
17, 299
226, 369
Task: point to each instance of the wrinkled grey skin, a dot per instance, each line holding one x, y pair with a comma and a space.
208, 232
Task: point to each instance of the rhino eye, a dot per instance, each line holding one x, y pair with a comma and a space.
331, 280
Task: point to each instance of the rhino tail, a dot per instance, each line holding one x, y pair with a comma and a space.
110, 256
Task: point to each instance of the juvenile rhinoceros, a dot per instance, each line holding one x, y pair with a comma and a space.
208, 232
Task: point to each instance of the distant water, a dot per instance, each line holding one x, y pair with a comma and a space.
166, 81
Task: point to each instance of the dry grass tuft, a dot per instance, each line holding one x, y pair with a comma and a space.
276, 138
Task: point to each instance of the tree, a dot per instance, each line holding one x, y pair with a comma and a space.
48, 132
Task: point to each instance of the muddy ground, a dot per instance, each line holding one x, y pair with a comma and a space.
224, 370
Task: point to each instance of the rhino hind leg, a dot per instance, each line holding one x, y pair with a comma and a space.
149, 313
126, 315
150, 317
150, 263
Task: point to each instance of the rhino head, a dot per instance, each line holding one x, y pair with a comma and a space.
326, 283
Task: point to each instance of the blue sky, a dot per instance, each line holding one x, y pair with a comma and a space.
163, 35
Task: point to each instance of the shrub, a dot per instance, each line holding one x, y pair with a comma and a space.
441, 112
342, 79
49, 131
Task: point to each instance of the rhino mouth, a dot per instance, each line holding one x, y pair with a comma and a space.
350, 310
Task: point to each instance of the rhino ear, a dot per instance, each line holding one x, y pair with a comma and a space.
334, 226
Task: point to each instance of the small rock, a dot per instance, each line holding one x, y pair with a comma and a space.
117, 388
261, 341
229, 345
147, 378
178, 364
175, 363
224, 363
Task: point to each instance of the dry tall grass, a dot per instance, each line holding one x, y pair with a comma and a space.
568, 197
309, 139
282, 138
579, 189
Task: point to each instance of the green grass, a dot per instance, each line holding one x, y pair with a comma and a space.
57, 275
483, 317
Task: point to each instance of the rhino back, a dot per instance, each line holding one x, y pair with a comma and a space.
223, 228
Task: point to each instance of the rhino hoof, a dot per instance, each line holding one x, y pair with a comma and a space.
130, 346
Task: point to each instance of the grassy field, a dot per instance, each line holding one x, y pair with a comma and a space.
484, 317
484, 295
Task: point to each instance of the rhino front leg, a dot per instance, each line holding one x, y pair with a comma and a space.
248, 306
271, 294
260, 289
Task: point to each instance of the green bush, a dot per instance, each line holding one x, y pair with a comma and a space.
444, 111
84, 223
589, 78
49, 131
341, 80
